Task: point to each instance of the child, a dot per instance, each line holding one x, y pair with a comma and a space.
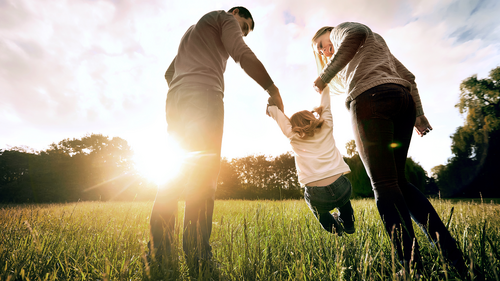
320, 166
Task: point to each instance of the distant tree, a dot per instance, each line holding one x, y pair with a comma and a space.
475, 145
480, 102
94, 167
358, 177
15, 185
228, 183
14, 166
287, 181
351, 148
361, 182
416, 175
259, 177
254, 173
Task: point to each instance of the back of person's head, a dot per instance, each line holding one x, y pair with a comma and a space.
244, 13
305, 123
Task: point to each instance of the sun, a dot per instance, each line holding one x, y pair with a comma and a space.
159, 163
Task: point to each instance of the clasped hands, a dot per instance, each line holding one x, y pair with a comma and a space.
274, 98
319, 85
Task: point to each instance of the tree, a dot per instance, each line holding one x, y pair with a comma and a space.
480, 102
14, 166
475, 145
361, 183
287, 181
228, 183
91, 168
416, 175
259, 177
15, 185
351, 148
267, 177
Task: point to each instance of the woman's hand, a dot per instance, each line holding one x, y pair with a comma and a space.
319, 85
422, 125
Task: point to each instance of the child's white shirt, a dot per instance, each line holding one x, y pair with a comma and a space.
316, 157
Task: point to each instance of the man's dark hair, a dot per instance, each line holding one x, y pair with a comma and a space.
244, 13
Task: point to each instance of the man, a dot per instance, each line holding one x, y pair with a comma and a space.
195, 117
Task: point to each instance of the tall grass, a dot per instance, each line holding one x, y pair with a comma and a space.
251, 240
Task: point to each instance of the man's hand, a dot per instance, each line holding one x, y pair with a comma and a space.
270, 102
274, 94
319, 85
422, 125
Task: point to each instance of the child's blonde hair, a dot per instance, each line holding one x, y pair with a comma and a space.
305, 123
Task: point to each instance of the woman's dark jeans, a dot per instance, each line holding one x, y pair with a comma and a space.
322, 199
383, 118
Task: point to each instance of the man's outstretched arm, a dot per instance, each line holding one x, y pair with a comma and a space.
256, 70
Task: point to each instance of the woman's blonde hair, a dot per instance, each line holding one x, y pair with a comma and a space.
305, 123
336, 84
321, 31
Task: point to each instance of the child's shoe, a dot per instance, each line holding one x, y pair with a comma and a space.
337, 224
349, 229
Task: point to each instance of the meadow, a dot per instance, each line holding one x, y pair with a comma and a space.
251, 240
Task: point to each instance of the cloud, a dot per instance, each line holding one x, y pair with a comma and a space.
75, 60
75, 67
441, 58
467, 20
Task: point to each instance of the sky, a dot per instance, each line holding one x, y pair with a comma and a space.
77, 67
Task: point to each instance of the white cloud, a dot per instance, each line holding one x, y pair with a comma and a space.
424, 7
440, 63
75, 67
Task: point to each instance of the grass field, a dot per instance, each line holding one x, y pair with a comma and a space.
251, 240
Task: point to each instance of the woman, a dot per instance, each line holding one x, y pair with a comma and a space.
384, 103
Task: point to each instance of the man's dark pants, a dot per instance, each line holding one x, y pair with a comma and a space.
195, 118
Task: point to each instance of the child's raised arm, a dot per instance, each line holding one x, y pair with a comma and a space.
325, 103
280, 118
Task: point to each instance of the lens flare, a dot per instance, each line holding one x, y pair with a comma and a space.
395, 145
160, 164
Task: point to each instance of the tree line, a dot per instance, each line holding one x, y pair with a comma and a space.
97, 167
94, 167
